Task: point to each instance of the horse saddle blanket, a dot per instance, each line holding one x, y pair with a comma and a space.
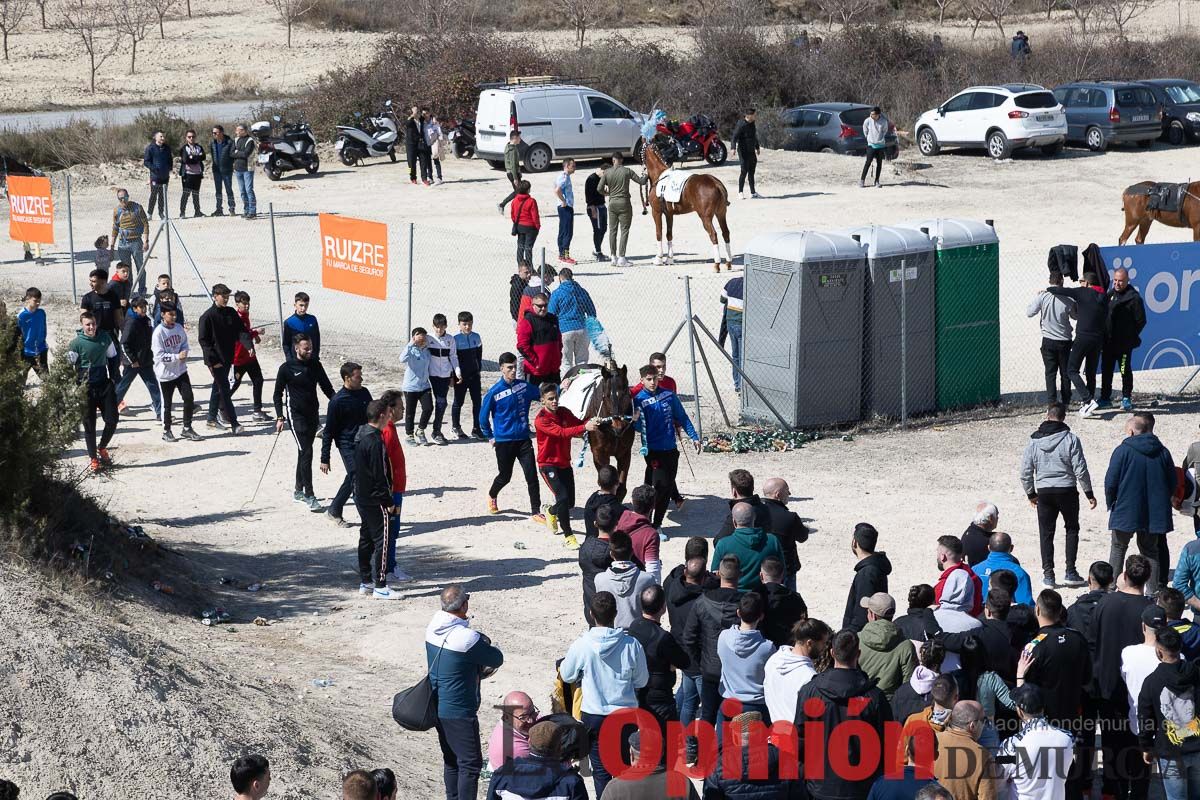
576, 396
670, 185
1163, 196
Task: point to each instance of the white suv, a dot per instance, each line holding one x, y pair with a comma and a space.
998, 118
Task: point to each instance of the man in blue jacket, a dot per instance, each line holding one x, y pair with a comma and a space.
458, 659
658, 412
506, 405
541, 774
221, 151
571, 303
345, 414
1000, 556
158, 159
1137, 490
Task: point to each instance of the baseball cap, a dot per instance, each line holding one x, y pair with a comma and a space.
881, 604
1154, 617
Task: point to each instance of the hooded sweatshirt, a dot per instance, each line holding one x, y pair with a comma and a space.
835, 688
752, 546
626, 583
536, 777
953, 616
1053, 462
611, 666
454, 655
1054, 315
166, 344
645, 540
914, 696
743, 657
961, 582
886, 655
1166, 728
870, 576
785, 674
416, 368
1138, 486
372, 469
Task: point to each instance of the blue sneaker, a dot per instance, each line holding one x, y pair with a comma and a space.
1126, 404
1103, 404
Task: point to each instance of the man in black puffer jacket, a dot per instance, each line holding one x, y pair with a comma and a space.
1126, 319
346, 412
712, 613
870, 575
684, 585
135, 345
220, 329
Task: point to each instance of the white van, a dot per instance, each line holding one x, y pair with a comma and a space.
556, 120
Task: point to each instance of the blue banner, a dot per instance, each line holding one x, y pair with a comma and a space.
1166, 275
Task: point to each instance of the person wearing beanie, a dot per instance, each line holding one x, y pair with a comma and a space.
870, 574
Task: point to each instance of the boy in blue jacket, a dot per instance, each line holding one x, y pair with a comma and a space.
301, 322
507, 405
32, 322
658, 411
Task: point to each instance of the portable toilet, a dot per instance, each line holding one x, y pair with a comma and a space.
802, 327
968, 310
899, 372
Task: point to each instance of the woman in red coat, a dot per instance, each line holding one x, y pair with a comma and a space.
526, 223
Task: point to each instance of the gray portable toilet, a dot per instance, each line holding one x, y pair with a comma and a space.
802, 327
899, 372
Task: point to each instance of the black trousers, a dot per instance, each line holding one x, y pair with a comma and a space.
158, 194
526, 236
1111, 360
411, 154
468, 385
1049, 507
561, 482
507, 454
305, 431
441, 388
749, 163
38, 363
598, 216
372, 544
101, 397
184, 384
424, 398
1055, 355
1125, 774
426, 159
513, 182
191, 186
344, 491
874, 154
220, 396
1084, 353
256, 380
1152, 545
663, 466
649, 481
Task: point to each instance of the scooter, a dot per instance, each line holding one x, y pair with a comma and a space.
295, 149
462, 138
378, 138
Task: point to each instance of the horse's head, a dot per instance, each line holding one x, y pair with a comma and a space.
615, 400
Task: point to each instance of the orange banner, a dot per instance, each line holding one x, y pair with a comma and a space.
354, 256
30, 210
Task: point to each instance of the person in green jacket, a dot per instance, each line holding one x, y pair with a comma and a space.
885, 653
615, 185
93, 354
751, 545
512, 166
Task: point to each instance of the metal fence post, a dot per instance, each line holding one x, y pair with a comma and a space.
687, 299
542, 271
275, 258
412, 235
903, 343
71, 241
167, 217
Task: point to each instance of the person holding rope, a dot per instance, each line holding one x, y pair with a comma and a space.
556, 426
299, 378
657, 411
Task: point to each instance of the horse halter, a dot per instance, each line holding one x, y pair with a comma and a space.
614, 396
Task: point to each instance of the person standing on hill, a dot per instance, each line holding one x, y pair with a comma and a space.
300, 378
157, 159
615, 186
1126, 319
875, 128
221, 150
345, 414
597, 213
745, 142
1091, 309
242, 157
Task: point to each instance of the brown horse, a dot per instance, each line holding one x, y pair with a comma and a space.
702, 195
1135, 201
612, 403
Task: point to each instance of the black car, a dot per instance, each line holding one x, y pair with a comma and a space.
1180, 101
831, 128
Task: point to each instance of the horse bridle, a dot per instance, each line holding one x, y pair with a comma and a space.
613, 397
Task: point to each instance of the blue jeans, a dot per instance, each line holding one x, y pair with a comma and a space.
224, 179
600, 775
687, 698
343, 493
566, 228
245, 182
146, 372
735, 347
394, 530
130, 251
1181, 776
462, 757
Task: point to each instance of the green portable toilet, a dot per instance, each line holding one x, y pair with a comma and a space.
967, 303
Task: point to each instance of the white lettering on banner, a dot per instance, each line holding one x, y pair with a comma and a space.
355, 256
31, 207
1164, 290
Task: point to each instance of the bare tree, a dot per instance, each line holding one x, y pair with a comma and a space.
133, 20
580, 14
845, 11
161, 9
91, 23
1084, 11
12, 14
290, 11
41, 4
995, 10
1122, 12
943, 6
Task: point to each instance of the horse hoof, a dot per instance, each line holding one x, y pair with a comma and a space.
716, 267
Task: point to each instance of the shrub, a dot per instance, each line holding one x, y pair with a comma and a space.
86, 143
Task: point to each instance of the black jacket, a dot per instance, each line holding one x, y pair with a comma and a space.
712, 613
907, 701
985, 649
681, 596
835, 688
1116, 623
762, 517
664, 655
1126, 318
516, 287
589, 511
220, 330
870, 576
1062, 666
222, 156
744, 139
975, 544
594, 558
1079, 617
591, 191
301, 379
136, 339
918, 624
1091, 310
739, 785
347, 410
372, 470
241, 153
1022, 623
1175, 687
790, 529
784, 608
193, 155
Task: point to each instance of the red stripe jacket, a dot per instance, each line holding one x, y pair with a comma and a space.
977, 601
395, 454
555, 430
540, 342
242, 356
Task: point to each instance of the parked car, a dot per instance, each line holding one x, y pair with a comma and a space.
1102, 113
556, 120
1000, 119
831, 128
1180, 101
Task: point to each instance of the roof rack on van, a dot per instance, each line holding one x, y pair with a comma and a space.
531, 80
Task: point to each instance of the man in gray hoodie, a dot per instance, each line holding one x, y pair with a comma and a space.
624, 580
1054, 315
1051, 468
744, 651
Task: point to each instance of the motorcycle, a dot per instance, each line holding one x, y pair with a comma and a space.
378, 138
696, 137
462, 137
295, 149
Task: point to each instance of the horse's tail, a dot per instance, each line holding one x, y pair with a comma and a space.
724, 192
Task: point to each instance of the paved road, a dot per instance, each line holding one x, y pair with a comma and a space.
125, 114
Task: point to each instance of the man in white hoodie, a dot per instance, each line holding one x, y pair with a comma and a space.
169, 344
623, 580
610, 667
792, 667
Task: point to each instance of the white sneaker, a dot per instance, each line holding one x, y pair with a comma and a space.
1088, 408
398, 575
757, 196
386, 594
624, 262
366, 588
741, 195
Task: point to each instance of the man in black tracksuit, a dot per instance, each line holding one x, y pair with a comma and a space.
1126, 318
300, 378
745, 142
1091, 307
870, 574
373, 497
343, 416
220, 329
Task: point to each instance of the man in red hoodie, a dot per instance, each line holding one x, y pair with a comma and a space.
395, 455
635, 521
245, 362
955, 570
556, 427
540, 343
